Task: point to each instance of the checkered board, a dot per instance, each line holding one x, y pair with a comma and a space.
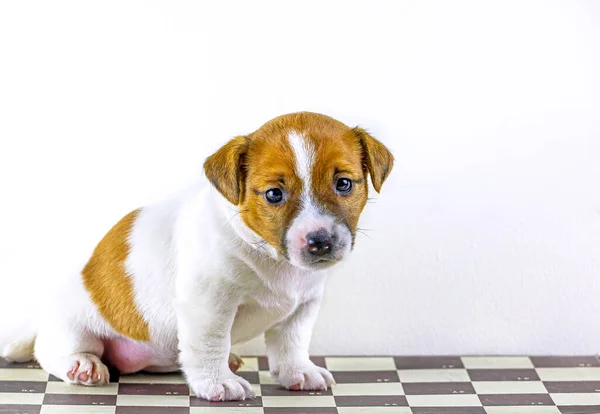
418, 385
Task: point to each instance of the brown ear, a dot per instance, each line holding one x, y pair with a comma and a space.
377, 159
225, 169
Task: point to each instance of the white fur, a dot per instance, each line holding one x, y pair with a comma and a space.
312, 217
201, 284
304, 157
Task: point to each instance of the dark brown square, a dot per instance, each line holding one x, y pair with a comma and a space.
115, 375
250, 376
515, 399
579, 409
438, 388
23, 386
362, 377
371, 401
428, 362
564, 361
319, 361
572, 386
20, 408
448, 410
250, 402
153, 389
263, 363
79, 399
503, 375
269, 390
30, 364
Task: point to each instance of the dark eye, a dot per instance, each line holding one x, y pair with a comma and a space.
274, 195
343, 185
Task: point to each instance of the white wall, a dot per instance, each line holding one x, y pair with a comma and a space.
486, 239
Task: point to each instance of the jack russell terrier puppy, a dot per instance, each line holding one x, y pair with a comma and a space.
173, 285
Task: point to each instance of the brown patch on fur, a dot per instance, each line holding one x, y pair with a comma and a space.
270, 164
377, 159
109, 285
246, 167
225, 169
332, 162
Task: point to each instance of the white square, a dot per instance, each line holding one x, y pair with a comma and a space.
583, 398
250, 364
265, 378
509, 387
434, 375
374, 410
154, 400
23, 374
24, 398
300, 401
60, 387
463, 400
569, 374
527, 409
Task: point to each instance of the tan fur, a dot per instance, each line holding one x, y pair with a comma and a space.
225, 169
110, 287
264, 159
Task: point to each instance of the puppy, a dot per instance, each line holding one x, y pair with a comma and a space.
173, 285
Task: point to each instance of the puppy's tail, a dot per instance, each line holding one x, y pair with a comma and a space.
17, 342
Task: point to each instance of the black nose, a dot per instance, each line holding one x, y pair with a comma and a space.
318, 242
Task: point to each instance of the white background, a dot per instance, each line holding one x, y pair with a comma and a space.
486, 238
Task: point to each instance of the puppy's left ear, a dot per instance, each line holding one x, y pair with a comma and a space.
226, 169
377, 159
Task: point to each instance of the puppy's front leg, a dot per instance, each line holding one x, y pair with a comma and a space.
204, 323
287, 349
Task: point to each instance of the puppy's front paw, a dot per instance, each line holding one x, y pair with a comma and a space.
227, 388
303, 376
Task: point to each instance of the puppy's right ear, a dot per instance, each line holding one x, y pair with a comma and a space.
226, 169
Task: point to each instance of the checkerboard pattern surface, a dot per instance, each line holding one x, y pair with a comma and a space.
418, 385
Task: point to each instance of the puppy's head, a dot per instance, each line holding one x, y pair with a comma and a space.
300, 183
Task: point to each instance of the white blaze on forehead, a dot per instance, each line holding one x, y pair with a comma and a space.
304, 155
311, 217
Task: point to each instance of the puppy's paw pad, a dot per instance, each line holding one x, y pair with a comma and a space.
87, 369
235, 362
306, 376
231, 389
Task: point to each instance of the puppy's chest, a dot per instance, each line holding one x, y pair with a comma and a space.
278, 304
260, 312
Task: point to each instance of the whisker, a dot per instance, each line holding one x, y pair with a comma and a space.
237, 213
259, 244
363, 233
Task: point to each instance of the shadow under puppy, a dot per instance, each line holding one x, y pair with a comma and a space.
174, 284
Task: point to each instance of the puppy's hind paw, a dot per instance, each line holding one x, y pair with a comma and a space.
305, 376
87, 369
235, 362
